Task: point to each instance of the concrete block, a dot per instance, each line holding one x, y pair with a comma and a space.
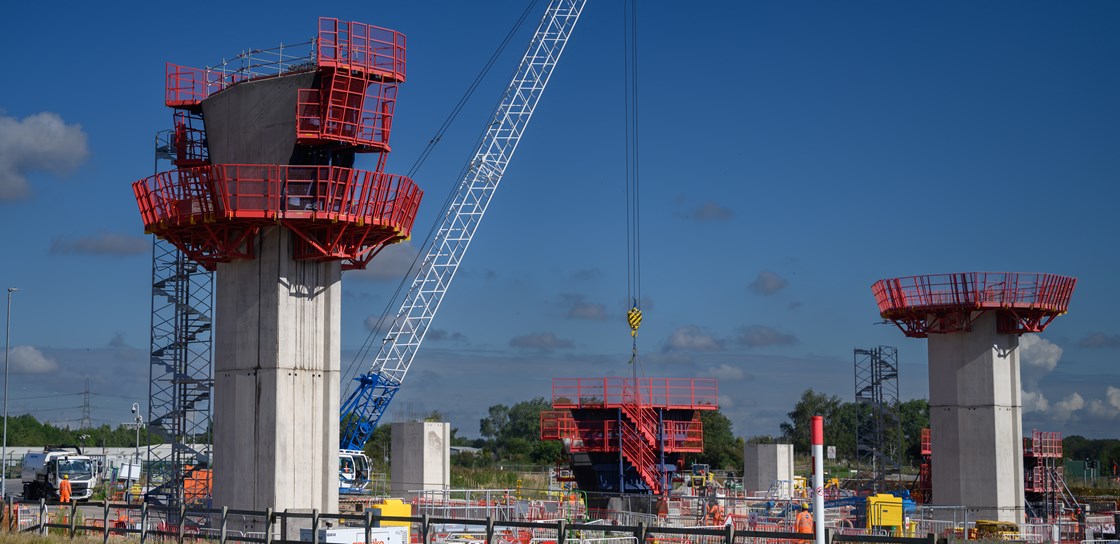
765, 464
421, 457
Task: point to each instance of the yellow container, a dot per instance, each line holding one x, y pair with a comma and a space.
395, 507
884, 511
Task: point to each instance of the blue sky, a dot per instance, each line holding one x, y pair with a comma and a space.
792, 154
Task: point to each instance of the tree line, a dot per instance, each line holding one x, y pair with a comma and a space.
26, 430
511, 435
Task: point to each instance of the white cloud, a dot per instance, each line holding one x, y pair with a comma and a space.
40, 142
1113, 396
1109, 407
756, 336
103, 244
1034, 401
724, 372
1037, 358
28, 360
768, 283
725, 402
1064, 409
541, 341
579, 308
691, 338
1039, 353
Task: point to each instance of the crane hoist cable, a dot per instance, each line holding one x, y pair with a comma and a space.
633, 210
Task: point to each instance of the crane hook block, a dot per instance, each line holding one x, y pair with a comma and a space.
634, 316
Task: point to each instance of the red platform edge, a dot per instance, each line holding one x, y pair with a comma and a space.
213, 212
948, 303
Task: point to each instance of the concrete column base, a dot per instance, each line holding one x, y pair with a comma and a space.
976, 422
276, 380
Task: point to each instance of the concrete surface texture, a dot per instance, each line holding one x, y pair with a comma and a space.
276, 330
254, 122
976, 433
764, 464
421, 457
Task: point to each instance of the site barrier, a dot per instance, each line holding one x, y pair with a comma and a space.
146, 522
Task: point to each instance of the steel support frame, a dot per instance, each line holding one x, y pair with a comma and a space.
180, 373
876, 390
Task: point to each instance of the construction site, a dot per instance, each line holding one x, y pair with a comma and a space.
258, 211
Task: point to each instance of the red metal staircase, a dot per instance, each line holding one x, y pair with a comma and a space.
634, 419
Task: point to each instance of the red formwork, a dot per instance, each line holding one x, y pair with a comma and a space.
347, 109
213, 212
187, 87
361, 48
926, 448
189, 141
1043, 445
947, 303
612, 392
603, 435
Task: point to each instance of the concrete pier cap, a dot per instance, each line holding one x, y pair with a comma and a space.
973, 321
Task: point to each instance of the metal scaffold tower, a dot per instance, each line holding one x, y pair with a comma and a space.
879, 430
180, 373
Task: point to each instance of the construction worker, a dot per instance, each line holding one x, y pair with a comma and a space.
804, 521
64, 489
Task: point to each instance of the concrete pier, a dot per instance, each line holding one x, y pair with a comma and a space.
765, 464
421, 457
276, 379
976, 421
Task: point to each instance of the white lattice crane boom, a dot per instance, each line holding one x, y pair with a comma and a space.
364, 408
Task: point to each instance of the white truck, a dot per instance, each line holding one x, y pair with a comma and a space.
43, 470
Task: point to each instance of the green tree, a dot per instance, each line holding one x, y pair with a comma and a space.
915, 417
722, 449
513, 432
797, 430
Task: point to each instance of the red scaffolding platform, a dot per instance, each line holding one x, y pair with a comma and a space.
641, 420
947, 303
214, 212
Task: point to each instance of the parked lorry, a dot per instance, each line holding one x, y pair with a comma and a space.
42, 471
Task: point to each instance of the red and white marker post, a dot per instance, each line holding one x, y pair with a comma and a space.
817, 441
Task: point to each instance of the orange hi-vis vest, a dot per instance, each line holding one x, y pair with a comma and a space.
804, 522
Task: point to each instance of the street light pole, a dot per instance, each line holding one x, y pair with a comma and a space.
7, 350
138, 421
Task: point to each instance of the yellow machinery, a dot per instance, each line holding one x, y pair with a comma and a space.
884, 512
994, 530
395, 507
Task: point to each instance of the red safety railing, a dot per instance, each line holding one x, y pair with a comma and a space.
187, 87
609, 392
257, 191
602, 435
1043, 444
641, 457
684, 436
975, 290
926, 443
949, 303
189, 141
361, 48
211, 212
350, 109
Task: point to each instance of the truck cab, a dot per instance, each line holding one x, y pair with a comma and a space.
42, 471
